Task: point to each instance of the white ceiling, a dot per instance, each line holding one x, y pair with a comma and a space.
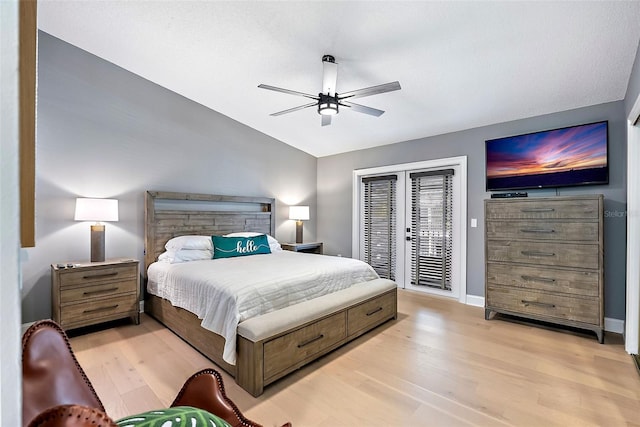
461, 64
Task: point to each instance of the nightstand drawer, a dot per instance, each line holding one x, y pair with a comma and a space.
110, 273
70, 294
91, 293
98, 310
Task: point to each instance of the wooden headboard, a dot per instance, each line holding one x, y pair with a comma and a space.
169, 214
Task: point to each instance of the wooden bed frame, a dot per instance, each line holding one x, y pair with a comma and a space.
351, 313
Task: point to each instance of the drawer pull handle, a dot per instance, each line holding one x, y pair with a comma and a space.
94, 276
537, 253
372, 312
542, 304
302, 344
538, 279
102, 291
537, 210
95, 310
537, 230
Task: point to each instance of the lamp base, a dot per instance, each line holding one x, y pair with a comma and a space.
97, 243
298, 231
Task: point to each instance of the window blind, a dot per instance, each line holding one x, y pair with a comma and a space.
379, 224
431, 236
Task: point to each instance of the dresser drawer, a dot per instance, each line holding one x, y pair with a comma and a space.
544, 253
98, 310
76, 293
543, 230
579, 282
543, 209
108, 273
363, 316
571, 308
286, 351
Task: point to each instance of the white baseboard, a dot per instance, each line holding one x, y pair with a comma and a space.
614, 325
610, 325
475, 301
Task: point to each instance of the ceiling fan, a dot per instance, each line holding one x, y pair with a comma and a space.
328, 101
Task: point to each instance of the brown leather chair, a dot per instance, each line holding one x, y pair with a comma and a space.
57, 392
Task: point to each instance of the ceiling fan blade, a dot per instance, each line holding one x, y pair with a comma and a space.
368, 91
289, 91
329, 77
291, 110
326, 120
362, 109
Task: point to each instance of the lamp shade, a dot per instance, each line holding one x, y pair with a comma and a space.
96, 209
299, 213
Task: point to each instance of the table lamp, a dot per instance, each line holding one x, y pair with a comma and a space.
96, 210
299, 214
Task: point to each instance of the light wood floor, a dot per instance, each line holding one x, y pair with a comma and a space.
439, 364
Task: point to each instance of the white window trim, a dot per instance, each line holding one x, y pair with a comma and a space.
459, 162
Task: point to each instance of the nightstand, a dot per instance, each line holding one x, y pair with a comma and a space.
84, 294
311, 248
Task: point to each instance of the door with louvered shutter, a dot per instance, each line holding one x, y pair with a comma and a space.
431, 234
379, 224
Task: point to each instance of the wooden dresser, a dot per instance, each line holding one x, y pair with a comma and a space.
89, 293
544, 260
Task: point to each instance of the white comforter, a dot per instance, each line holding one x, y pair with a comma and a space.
224, 292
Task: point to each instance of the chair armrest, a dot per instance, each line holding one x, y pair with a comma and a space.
205, 390
72, 416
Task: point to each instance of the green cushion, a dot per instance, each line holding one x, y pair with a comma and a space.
180, 416
226, 247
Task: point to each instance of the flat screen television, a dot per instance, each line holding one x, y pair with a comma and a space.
575, 155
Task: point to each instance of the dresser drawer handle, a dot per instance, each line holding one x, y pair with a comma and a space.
115, 273
102, 291
95, 310
302, 344
537, 210
542, 304
538, 279
537, 230
537, 253
372, 312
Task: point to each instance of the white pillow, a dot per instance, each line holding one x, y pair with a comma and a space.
184, 255
189, 242
274, 245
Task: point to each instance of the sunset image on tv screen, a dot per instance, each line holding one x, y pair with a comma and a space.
568, 156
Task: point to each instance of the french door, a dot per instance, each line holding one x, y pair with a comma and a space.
409, 224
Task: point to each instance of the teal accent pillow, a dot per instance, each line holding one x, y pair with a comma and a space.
174, 417
226, 247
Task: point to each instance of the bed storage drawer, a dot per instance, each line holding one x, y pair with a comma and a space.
367, 314
296, 346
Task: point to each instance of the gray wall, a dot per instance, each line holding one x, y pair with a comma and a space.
335, 192
105, 132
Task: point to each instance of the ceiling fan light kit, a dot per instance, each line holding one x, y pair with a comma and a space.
328, 101
327, 105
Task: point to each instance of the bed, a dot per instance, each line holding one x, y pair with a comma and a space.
272, 342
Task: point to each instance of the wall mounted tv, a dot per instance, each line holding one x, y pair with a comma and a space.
575, 155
